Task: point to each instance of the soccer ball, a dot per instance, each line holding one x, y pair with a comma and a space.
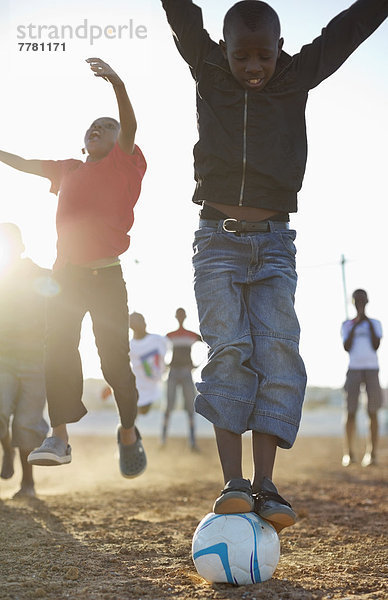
235, 548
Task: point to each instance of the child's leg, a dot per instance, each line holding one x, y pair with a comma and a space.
166, 418
188, 390
236, 497
192, 440
108, 307
60, 431
63, 368
7, 469
370, 456
352, 389
279, 367
230, 453
374, 394
109, 312
373, 434
268, 503
264, 448
172, 383
349, 441
27, 487
255, 378
9, 386
228, 386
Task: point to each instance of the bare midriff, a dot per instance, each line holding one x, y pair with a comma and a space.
243, 213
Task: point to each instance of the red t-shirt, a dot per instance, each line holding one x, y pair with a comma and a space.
95, 205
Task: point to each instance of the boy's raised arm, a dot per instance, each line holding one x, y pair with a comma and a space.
191, 39
128, 125
339, 39
21, 164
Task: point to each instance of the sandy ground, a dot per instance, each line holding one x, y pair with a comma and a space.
92, 535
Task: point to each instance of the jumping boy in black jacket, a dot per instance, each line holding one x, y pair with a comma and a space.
249, 165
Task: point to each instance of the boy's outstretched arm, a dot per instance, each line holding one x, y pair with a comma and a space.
22, 164
128, 125
190, 37
339, 39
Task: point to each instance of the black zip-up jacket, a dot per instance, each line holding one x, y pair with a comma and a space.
252, 146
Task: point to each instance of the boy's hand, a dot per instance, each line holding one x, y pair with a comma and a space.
102, 69
126, 137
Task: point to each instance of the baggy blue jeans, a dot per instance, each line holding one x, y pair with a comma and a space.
244, 286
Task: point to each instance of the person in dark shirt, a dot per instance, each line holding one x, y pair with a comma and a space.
24, 287
180, 375
249, 164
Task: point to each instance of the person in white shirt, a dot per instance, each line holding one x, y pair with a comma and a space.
361, 338
147, 352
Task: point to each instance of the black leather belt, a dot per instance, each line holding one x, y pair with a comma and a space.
235, 226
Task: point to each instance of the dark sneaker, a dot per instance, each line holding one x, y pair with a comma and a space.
7, 469
236, 497
133, 460
52, 452
272, 507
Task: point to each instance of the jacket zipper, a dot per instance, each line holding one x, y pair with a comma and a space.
244, 155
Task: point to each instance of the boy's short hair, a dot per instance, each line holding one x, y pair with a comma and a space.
359, 292
114, 120
254, 14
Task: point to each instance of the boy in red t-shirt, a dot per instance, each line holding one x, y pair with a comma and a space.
95, 212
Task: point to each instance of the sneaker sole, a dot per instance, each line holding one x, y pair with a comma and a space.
138, 447
279, 520
47, 459
135, 475
233, 503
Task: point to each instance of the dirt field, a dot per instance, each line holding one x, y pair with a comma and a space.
93, 535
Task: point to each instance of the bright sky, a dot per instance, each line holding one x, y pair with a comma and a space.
49, 99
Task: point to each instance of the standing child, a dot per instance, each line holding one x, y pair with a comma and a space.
361, 337
147, 356
249, 165
95, 212
180, 375
23, 289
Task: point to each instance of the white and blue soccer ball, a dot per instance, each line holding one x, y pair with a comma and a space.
235, 548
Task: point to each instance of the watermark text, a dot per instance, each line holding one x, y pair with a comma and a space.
83, 31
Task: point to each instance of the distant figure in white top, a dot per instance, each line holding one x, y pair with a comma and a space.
147, 351
361, 338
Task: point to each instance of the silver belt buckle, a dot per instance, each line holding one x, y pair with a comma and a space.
229, 221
